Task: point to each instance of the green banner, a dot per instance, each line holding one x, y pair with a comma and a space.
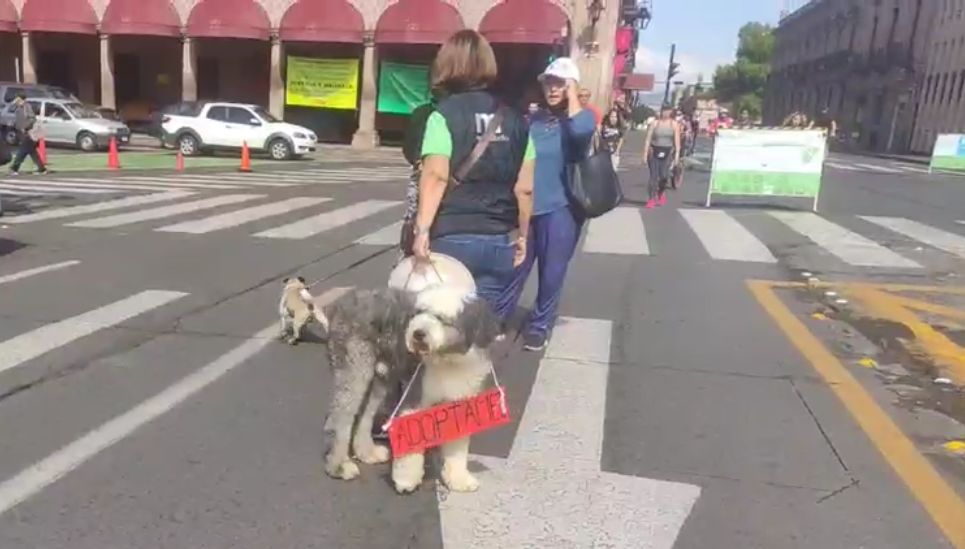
768, 163
402, 87
322, 83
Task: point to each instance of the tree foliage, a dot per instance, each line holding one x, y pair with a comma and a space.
742, 82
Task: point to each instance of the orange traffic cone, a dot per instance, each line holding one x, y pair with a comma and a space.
245, 158
113, 159
179, 162
42, 150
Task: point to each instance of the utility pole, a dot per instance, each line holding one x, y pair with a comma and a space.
672, 70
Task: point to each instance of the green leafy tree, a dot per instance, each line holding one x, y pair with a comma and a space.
742, 82
641, 113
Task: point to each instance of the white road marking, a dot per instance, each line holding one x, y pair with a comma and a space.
45, 472
164, 211
329, 220
725, 238
843, 166
99, 207
846, 245
232, 180
246, 215
37, 270
386, 236
177, 182
550, 491
83, 183
911, 169
620, 231
936, 238
24, 347
43, 189
874, 168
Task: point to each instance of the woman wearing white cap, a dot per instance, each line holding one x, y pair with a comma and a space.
561, 134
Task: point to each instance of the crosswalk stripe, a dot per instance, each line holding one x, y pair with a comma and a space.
725, 238
240, 217
842, 166
874, 168
350, 176
320, 223
936, 238
87, 184
28, 193
206, 180
180, 183
118, 204
30, 345
913, 169
846, 245
164, 211
37, 270
386, 236
40, 189
620, 231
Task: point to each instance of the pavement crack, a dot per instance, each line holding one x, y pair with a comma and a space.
824, 433
854, 482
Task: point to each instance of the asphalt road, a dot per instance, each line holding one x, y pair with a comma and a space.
143, 404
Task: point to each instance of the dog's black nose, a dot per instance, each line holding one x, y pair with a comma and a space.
418, 335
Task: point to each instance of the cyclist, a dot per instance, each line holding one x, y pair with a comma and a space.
661, 152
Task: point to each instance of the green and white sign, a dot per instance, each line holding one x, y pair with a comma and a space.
768, 163
949, 153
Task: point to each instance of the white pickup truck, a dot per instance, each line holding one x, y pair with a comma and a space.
196, 127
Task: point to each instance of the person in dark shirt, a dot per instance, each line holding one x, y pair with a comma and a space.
825, 121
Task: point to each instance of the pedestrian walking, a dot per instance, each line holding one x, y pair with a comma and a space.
29, 133
475, 209
611, 135
661, 152
561, 133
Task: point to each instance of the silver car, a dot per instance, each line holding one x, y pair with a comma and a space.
67, 122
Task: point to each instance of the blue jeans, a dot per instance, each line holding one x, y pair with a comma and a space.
489, 257
552, 240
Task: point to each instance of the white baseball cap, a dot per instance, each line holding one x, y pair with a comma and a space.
564, 68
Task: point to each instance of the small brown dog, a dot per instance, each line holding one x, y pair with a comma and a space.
296, 309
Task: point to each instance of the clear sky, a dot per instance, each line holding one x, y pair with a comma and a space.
705, 32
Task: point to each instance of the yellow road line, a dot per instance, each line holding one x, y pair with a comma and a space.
940, 501
948, 357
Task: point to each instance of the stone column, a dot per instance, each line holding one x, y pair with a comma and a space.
27, 59
189, 82
107, 73
276, 94
365, 137
595, 48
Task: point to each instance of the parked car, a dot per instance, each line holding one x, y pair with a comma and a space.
203, 126
68, 122
10, 90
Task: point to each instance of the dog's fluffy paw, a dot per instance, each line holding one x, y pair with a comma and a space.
346, 470
407, 472
461, 481
292, 340
374, 454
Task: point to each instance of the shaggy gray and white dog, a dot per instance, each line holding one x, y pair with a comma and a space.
368, 356
375, 340
452, 332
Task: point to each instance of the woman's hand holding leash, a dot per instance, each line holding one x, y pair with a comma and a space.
420, 245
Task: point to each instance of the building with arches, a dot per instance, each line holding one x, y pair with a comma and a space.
121, 52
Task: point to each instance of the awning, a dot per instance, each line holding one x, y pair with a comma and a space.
154, 17
58, 16
228, 19
524, 22
322, 21
418, 22
8, 17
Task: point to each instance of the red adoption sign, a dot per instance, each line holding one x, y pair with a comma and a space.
446, 422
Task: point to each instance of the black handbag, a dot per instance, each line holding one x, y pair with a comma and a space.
592, 183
